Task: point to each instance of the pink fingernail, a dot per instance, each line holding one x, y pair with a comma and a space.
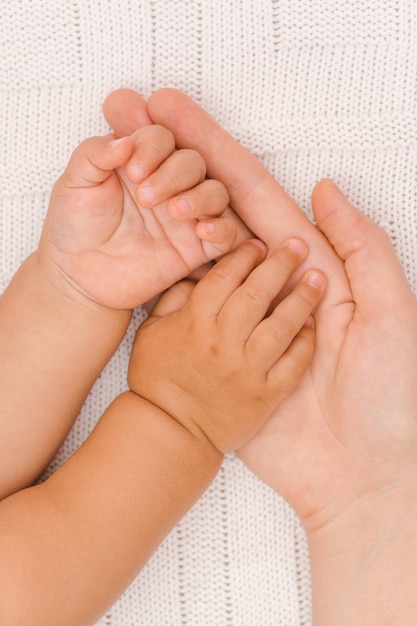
183, 206
210, 227
297, 246
116, 142
315, 279
137, 171
147, 194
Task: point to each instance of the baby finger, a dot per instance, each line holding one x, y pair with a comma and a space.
182, 170
207, 199
273, 336
153, 145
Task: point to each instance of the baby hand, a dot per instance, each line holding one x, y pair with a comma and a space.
113, 240
216, 357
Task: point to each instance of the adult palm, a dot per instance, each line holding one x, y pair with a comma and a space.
350, 432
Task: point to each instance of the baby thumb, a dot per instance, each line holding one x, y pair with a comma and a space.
174, 298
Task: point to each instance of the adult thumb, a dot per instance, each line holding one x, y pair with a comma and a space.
372, 266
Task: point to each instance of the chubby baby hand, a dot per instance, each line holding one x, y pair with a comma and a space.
220, 356
109, 234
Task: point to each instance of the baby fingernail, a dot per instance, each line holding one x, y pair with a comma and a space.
137, 171
183, 206
147, 194
116, 142
210, 228
297, 246
315, 279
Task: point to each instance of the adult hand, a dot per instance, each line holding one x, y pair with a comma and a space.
359, 435
347, 462
365, 361
342, 448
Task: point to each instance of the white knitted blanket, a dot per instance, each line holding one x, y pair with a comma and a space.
315, 88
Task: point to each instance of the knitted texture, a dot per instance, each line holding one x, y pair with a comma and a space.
314, 88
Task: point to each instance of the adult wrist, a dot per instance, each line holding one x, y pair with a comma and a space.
363, 562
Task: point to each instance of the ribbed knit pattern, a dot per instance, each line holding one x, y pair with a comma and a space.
315, 88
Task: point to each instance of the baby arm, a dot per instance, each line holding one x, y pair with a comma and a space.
100, 254
206, 371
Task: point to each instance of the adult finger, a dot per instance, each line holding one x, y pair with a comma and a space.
262, 204
255, 195
125, 111
153, 145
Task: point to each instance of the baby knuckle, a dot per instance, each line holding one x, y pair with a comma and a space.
223, 272
139, 134
281, 331
159, 139
86, 144
196, 160
214, 350
162, 133
306, 339
176, 179
220, 191
254, 292
293, 373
